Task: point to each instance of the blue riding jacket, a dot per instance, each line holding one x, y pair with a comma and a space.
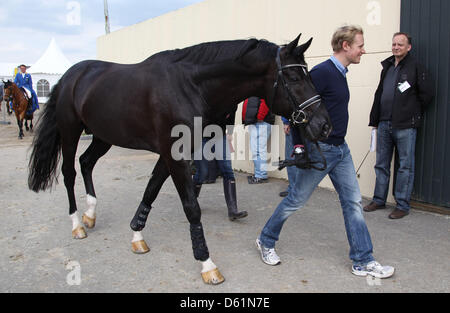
27, 82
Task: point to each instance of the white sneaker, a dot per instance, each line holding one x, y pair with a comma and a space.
268, 256
373, 269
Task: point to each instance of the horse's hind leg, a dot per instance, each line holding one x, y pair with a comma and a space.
181, 175
26, 126
70, 137
96, 150
159, 176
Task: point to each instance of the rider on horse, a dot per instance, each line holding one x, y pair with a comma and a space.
24, 82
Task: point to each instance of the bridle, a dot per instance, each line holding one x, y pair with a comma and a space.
299, 116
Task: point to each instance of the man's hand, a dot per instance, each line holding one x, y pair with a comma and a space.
287, 129
300, 159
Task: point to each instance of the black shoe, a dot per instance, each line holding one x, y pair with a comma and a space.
229, 189
252, 180
284, 194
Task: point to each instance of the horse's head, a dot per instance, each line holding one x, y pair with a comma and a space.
293, 94
7, 90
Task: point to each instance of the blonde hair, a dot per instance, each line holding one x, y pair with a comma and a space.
345, 33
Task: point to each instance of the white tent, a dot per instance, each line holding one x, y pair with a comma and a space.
47, 71
53, 61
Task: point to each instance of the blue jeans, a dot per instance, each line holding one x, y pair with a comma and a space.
259, 134
288, 156
224, 163
404, 140
343, 175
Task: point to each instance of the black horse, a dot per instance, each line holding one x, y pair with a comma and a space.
168, 89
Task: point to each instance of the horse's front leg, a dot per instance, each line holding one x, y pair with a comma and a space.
181, 175
20, 124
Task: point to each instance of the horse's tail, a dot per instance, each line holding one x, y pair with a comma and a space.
46, 147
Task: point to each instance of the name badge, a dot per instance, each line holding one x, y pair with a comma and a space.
403, 87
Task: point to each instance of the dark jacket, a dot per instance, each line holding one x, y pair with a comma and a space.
408, 108
256, 110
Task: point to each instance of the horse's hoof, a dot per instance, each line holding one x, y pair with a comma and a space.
88, 222
213, 277
139, 247
79, 233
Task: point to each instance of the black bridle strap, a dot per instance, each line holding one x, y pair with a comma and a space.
298, 116
298, 111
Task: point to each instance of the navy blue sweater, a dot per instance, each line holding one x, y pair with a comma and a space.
333, 88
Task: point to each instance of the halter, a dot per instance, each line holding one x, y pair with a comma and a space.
299, 116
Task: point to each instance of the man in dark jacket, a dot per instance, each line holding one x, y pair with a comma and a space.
402, 95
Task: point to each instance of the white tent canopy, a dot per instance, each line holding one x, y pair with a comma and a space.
53, 61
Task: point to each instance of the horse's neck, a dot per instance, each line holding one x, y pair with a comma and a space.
17, 93
235, 87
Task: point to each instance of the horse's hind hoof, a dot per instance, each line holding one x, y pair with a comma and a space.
79, 233
213, 277
139, 247
88, 222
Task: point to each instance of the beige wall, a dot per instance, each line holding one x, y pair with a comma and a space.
279, 21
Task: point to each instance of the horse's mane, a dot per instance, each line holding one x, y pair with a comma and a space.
220, 51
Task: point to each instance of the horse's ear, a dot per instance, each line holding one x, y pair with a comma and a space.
248, 46
299, 51
291, 47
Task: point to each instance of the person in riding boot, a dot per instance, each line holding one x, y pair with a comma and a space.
23, 80
256, 113
224, 163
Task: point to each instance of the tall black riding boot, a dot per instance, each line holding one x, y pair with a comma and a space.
197, 189
229, 188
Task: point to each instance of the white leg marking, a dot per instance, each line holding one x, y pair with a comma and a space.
75, 220
137, 236
208, 266
91, 204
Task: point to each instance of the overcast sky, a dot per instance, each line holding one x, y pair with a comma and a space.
27, 26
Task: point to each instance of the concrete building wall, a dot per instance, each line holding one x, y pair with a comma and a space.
279, 21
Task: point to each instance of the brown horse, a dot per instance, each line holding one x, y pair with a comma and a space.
21, 105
